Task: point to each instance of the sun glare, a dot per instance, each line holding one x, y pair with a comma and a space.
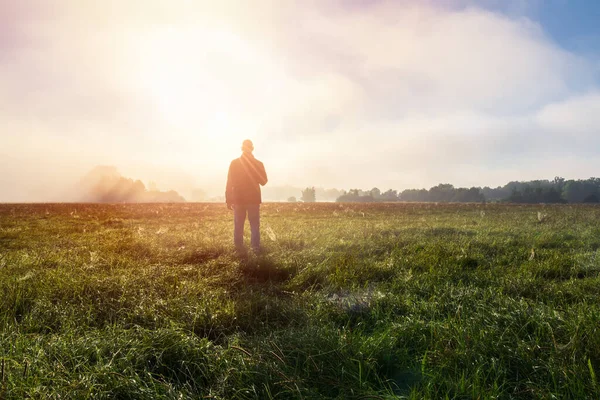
208, 87
187, 75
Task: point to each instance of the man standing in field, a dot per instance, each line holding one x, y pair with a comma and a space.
242, 194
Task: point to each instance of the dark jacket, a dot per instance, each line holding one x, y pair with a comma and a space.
245, 176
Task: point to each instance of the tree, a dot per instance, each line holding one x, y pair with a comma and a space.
444, 192
327, 194
106, 185
464, 195
578, 191
356, 196
309, 195
389, 195
292, 199
414, 195
558, 183
375, 193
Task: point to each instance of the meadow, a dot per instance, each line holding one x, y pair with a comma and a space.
369, 301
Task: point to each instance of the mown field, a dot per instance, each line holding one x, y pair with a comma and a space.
373, 301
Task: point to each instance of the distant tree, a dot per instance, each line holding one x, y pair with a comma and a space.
309, 195
356, 196
375, 193
444, 192
332, 194
578, 191
472, 195
348, 198
156, 196
495, 194
414, 195
327, 194
558, 183
106, 185
534, 193
137, 190
389, 195
557, 190
552, 195
292, 199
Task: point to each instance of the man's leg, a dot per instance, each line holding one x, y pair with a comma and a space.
239, 218
254, 219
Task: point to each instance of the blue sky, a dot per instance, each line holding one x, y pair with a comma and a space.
341, 93
574, 24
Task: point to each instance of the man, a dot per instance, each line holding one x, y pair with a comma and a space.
246, 175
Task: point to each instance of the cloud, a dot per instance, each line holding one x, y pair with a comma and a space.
576, 117
334, 93
438, 92
415, 58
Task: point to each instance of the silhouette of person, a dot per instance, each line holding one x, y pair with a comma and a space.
242, 194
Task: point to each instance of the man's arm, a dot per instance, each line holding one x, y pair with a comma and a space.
229, 186
263, 174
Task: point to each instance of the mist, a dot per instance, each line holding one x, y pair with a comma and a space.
352, 95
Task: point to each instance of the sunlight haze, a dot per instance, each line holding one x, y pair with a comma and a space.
344, 94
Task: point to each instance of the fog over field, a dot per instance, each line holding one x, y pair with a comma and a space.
393, 94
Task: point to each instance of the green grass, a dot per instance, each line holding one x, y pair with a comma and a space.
347, 301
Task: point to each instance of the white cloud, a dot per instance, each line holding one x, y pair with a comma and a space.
392, 94
576, 117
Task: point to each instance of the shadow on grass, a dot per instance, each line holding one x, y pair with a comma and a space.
261, 268
404, 380
203, 256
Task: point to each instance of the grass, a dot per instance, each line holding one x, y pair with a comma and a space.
371, 301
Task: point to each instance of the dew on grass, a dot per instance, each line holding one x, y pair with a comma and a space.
270, 233
26, 277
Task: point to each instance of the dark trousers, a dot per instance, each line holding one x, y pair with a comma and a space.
239, 218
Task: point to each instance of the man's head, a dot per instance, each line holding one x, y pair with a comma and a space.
247, 146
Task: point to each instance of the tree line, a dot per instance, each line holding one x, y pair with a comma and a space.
104, 184
557, 190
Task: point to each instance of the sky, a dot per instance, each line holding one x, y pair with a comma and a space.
334, 93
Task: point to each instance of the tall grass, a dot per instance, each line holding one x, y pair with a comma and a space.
346, 301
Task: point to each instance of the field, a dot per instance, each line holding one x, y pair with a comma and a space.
372, 301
